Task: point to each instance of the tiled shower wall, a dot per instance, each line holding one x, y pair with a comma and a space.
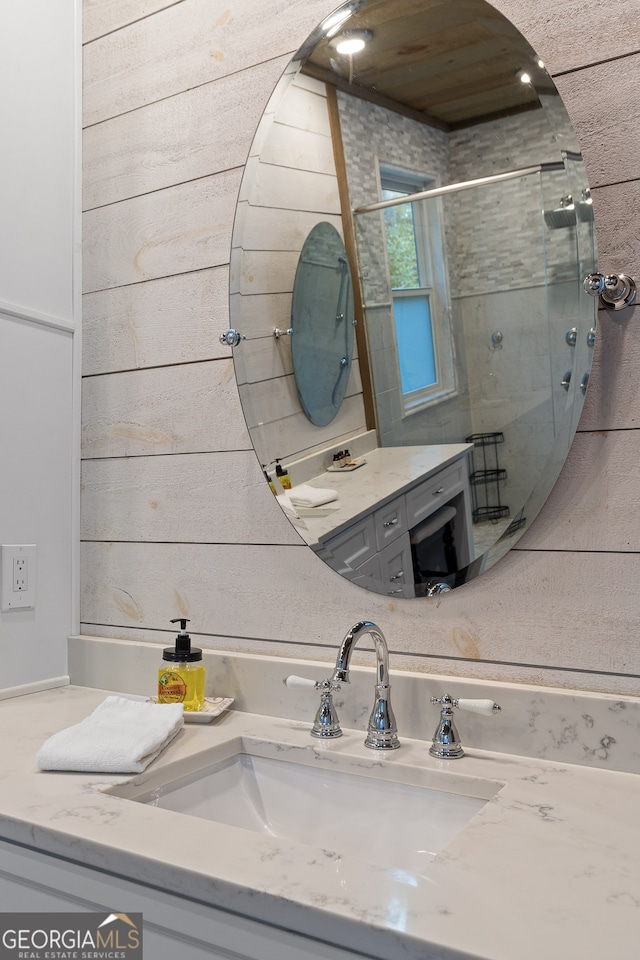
177, 519
499, 254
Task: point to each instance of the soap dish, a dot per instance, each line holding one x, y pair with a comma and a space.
211, 708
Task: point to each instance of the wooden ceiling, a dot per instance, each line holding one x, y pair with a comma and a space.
450, 63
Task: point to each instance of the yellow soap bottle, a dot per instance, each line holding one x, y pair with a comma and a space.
283, 476
181, 675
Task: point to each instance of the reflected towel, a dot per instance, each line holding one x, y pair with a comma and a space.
304, 495
287, 506
120, 736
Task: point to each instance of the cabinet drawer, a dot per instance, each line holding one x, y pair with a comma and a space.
390, 571
396, 568
351, 548
423, 499
390, 522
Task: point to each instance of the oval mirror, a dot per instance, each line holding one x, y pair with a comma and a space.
436, 147
322, 321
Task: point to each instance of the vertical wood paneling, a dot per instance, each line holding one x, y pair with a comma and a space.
538, 606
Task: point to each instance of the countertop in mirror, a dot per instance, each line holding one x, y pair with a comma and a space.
550, 867
387, 473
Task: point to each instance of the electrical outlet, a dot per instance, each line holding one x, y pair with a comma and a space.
18, 576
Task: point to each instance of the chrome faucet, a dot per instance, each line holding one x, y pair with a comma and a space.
382, 732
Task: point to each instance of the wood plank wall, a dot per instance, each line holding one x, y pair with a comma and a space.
176, 517
291, 187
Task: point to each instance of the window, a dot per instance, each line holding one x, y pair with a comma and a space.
415, 255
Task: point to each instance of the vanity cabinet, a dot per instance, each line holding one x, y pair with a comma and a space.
392, 566
377, 548
173, 926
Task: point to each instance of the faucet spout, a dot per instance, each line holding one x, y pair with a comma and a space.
382, 732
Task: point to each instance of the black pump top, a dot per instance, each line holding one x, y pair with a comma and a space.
182, 652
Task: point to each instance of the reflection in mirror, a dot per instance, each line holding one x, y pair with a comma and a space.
443, 156
322, 322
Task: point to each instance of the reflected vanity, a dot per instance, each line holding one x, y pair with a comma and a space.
427, 194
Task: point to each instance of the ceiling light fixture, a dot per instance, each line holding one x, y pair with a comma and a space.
351, 41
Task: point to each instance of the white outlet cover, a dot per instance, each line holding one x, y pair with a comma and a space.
11, 599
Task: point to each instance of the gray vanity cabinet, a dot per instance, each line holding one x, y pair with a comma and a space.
376, 548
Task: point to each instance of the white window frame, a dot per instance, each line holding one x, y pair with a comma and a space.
432, 270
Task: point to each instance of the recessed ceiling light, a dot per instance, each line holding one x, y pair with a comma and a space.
351, 41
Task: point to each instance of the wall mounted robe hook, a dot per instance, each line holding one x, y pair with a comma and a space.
616, 291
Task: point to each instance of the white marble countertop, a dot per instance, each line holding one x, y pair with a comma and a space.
550, 867
388, 472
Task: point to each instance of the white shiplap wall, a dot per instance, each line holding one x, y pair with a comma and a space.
291, 186
176, 516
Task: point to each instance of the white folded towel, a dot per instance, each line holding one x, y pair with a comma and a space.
287, 506
304, 495
120, 736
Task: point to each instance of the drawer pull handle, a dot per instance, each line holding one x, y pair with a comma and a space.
390, 592
397, 576
436, 493
390, 523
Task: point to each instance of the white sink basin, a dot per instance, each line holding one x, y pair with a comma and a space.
398, 824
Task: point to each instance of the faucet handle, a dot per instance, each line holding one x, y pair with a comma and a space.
485, 707
326, 723
300, 683
446, 740
296, 683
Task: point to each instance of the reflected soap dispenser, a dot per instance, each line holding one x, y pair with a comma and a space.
181, 675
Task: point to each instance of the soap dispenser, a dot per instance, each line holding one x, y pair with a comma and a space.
181, 675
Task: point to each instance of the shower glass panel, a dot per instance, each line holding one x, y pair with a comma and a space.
512, 297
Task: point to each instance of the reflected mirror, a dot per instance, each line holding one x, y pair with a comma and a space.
322, 321
441, 157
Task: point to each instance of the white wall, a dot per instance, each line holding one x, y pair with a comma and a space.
176, 517
39, 238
